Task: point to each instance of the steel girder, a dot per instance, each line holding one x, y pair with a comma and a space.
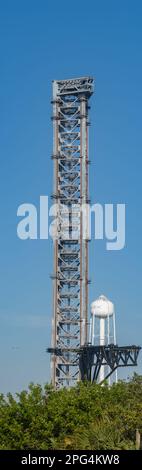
93, 357
70, 277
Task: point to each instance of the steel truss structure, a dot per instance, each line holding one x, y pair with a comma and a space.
93, 357
70, 277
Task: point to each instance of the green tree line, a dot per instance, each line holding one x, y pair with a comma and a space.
87, 416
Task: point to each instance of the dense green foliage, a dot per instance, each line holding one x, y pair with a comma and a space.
85, 417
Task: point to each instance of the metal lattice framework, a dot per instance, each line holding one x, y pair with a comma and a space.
92, 358
70, 277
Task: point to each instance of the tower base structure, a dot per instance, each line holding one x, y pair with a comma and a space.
90, 359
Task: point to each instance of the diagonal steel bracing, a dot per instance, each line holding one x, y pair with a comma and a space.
70, 277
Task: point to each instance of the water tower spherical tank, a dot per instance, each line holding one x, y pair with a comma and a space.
102, 307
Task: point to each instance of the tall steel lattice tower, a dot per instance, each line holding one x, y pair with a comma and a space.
70, 277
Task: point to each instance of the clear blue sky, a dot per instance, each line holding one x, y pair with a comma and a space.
39, 42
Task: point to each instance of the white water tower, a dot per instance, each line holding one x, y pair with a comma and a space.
102, 327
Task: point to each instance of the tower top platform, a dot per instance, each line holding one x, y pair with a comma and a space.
75, 86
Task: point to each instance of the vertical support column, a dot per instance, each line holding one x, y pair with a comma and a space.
55, 242
114, 335
102, 343
83, 241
